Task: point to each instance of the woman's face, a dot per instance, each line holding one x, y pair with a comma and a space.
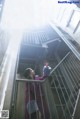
32, 72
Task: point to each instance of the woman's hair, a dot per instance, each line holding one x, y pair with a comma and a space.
27, 72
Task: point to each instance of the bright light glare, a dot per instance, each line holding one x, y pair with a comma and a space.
30, 14
25, 14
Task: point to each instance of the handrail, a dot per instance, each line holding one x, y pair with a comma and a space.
42, 81
49, 41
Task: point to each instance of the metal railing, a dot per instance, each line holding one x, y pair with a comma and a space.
68, 83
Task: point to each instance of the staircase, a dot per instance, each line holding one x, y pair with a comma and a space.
58, 95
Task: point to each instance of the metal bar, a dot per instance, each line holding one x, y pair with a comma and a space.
66, 77
39, 39
70, 18
33, 45
42, 81
58, 94
29, 99
76, 104
70, 78
63, 97
42, 101
35, 98
47, 102
42, 38
65, 89
71, 74
78, 24
65, 74
56, 39
76, 66
71, 64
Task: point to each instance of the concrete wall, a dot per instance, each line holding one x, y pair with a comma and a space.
4, 41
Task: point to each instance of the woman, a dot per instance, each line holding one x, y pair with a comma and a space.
31, 107
33, 98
